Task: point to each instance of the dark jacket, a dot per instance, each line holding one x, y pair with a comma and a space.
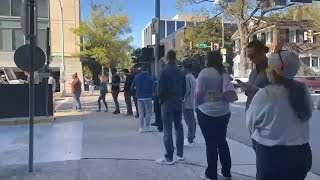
128, 83
144, 85
172, 87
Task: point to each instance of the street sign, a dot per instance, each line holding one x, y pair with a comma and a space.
202, 45
22, 58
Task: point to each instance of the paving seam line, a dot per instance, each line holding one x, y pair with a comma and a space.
185, 163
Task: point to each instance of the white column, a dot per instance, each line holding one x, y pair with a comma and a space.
310, 61
318, 62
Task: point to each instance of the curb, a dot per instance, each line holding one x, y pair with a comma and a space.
25, 120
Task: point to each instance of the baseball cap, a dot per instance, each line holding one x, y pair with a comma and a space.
285, 63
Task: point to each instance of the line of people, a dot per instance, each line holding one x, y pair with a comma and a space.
278, 113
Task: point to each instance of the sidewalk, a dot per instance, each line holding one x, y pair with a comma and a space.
112, 149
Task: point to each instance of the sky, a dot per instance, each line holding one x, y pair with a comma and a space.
141, 13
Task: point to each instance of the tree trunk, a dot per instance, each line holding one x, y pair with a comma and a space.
244, 41
102, 70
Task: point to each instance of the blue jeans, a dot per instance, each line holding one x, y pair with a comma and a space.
77, 103
145, 108
170, 116
214, 130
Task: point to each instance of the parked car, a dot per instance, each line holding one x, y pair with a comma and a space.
313, 82
11, 76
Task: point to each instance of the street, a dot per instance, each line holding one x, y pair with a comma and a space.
89, 145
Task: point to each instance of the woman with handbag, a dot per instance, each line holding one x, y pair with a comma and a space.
214, 92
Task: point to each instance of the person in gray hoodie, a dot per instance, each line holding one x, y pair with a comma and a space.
189, 104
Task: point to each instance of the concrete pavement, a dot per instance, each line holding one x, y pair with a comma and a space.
109, 147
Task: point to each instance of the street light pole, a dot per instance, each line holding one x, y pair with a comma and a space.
157, 37
63, 68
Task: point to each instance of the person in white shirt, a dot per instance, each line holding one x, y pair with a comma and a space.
278, 119
189, 105
52, 81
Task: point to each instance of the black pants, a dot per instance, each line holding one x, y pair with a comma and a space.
115, 95
127, 98
157, 112
103, 98
135, 99
214, 130
283, 162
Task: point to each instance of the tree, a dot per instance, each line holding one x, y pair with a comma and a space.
206, 32
241, 12
103, 35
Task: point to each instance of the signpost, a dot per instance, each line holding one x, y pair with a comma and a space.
29, 26
201, 46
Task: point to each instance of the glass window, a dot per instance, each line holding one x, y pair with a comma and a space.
263, 38
314, 61
17, 39
43, 9
162, 30
5, 39
171, 27
16, 7
269, 37
42, 39
180, 24
5, 8
292, 36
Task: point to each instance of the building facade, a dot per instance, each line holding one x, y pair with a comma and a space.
168, 27
49, 16
294, 33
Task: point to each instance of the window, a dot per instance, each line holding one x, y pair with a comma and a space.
162, 30
314, 61
269, 38
180, 24
16, 7
292, 36
17, 39
262, 38
299, 36
5, 39
43, 9
42, 39
171, 27
5, 8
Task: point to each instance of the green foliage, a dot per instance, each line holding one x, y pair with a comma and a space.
205, 33
103, 34
305, 71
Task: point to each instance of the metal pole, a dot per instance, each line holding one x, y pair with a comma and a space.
32, 11
157, 37
63, 68
222, 29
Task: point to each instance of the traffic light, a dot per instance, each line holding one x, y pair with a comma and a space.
310, 35
147, 54
190, 45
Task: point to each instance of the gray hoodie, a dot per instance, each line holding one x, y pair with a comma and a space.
189, 98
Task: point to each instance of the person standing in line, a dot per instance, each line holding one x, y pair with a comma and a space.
133, 92
53, 83
76, 92
145, 87
103, 93
171, 91
157, 110
115, 90
189, 105
213, 114
279, 121
127, 91
91, 86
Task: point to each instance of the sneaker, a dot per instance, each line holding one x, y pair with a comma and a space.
164, 161
154, 124
116, 112
187, 143
224, 177
141, 130
137, 116
180, 158
129, 114
147, 129
98, 110
106, 110
204, 177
